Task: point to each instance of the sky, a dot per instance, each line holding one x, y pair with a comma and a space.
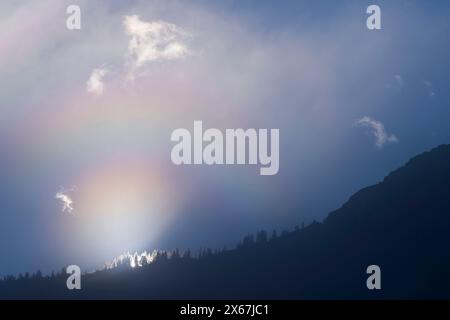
86, 117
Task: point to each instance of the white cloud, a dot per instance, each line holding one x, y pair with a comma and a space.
66, 200
397, 84
95, 83
153, 41
377, 129
399, 80
429, 85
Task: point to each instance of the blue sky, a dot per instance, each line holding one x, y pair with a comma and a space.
310, 68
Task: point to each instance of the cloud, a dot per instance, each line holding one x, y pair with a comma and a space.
429, 85
153, 41
399, 80
377, 129
397, 84
95, 84
66, 200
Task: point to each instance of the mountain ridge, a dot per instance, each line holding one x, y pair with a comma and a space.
401, 224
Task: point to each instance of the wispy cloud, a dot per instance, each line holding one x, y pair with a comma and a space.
153, 41
378, 131
397, 83
430, 88
399, 79
95, 83
65, 198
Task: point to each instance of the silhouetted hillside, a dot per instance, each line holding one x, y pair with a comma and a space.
401, 224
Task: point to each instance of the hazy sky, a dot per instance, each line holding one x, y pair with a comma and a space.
86, 117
